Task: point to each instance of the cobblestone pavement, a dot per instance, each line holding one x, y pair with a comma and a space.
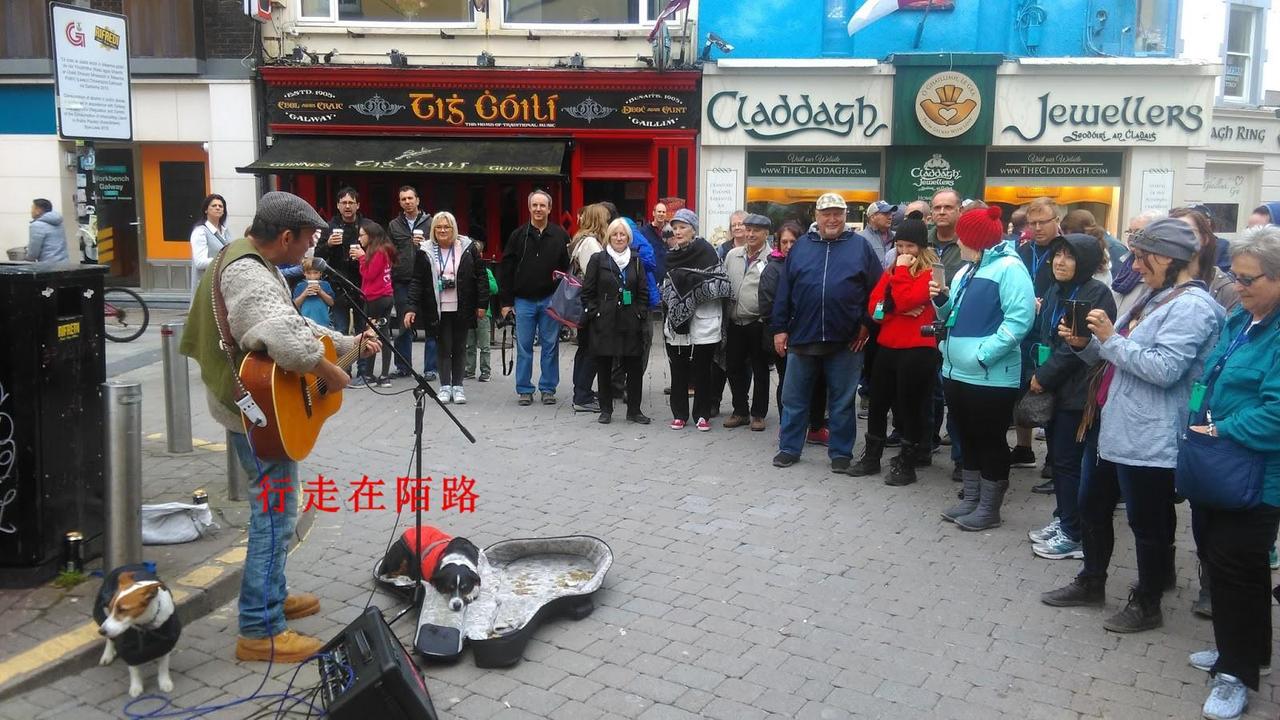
738, 590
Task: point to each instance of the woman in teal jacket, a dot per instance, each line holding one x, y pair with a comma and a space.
987, 313
1244, 405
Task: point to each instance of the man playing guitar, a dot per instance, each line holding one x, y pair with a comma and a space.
242, 305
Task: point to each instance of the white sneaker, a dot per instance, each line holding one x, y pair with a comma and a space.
1046, 533
445, 395
459, 397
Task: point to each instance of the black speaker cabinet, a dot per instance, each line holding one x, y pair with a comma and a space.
366, 673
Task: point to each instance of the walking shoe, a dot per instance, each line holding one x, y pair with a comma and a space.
1228, 698
469, 375
1046, 533
459, 398
605, 418
287, 647
894, 440
445, 395
638, 418
1045, 488
430, 375
1080, 592
300, 605
677, 424
1022, 457
736, 420
869, 463
784, 459
840, 465
590, 407
757, 424
484, 377
362, 381
402, 373
987, 515
1060, 547
704, 425
1137, 615
384, 381
1206, 659
548, 398
525, 399
970, 492
1046, 471
821, 436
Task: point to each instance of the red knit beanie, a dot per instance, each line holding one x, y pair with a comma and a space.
980, 228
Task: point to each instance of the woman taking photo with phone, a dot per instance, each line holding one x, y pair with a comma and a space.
1075, 259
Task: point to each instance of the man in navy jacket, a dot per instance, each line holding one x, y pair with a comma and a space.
819, 320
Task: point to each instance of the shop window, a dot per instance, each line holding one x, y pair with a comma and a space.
577, 12
1155, 32
378, 11
1243, 49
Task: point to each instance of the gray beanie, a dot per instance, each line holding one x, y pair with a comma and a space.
686, 216
1170, 237
286, 210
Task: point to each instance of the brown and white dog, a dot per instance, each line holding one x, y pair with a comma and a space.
136, 614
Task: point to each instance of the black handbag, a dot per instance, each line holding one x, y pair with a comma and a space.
1033, 410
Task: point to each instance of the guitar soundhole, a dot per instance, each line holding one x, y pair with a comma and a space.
306, 394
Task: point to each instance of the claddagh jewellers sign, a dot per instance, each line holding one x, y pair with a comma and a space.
782, 111
1162, 111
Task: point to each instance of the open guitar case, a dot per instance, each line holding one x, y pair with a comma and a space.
523, 583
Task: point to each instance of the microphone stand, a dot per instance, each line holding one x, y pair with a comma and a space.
420, 394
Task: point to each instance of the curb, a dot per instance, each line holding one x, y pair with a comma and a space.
196, 594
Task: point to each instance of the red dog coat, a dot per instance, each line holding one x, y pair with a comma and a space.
428, 543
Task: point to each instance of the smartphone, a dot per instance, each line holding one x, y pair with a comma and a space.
940, 274
1077, 316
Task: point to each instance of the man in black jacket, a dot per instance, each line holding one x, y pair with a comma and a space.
335, 249
533, 252
407, 231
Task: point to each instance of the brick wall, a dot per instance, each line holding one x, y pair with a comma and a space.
228, 32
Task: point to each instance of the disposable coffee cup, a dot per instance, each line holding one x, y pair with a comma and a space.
335, 237
419, 234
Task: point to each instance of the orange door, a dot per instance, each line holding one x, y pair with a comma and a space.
175, 181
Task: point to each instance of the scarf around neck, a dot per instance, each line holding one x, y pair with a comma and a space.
1126, 278
694, 276
621, 259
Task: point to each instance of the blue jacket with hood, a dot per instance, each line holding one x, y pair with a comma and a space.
823, 289
993, 306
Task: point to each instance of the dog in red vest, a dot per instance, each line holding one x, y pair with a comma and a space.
449, 563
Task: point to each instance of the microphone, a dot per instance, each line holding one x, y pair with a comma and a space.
329, 272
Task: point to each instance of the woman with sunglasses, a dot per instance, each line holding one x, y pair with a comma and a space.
1135, 408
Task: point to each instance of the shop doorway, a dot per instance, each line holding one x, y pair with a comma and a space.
175, 181
117, 215
628, 195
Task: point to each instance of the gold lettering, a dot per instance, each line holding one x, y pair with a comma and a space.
455, 114
419, 100
487, 107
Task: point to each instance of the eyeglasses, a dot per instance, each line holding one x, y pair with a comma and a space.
1244, 280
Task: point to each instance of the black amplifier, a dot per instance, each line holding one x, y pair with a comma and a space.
365, 673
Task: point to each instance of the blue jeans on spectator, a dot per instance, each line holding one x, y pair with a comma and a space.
402, 337
1067, 458
531, 317
429, 362
842, 369
263, 587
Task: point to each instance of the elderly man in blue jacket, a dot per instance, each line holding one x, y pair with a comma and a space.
819, 320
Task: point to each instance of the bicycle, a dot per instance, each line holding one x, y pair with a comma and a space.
122, 324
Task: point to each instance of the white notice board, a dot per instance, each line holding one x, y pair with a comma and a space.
1157, 190
91, 73
721, 201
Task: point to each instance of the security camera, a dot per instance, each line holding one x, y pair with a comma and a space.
719, 42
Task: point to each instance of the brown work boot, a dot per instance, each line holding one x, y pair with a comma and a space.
734, 421
290, 647
300, 605
757, 424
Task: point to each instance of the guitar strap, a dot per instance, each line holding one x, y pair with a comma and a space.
228, 344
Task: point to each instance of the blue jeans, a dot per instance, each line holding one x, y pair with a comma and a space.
1067, 456
531, 317
842, 370
401, 337
263, 588
429, 362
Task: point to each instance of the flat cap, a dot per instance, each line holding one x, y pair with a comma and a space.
287, 210
757, 221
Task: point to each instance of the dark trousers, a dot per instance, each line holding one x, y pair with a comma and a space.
584, 372
982, 416
403, 338
619, 376
870, 352
817, 402
692, 364
1148, 502
340, 313
379, 311
1067, 456
748, 362
635, 376
451, 344
1234, 545
902, 381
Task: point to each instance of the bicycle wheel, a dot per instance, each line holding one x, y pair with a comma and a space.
125, 314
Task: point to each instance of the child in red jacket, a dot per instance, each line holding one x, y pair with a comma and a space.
907, 361
377, 255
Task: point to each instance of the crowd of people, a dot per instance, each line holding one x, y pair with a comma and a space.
939, 315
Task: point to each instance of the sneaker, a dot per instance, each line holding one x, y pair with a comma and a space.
1228, 698
589, 407
677, 424
757, 424
384, 381
784, 459
525, 399
840, 464
458, 397
704, 425
402, 373
429, 375
300, 605
287, 647
638, 418
1022, 457
605, 418
470, 375
445, 395
1045, 488
735, 420
1046, 533
1060, 547
1206, 659
361, 381
821, 436
484, 377
548, 398
1046, 471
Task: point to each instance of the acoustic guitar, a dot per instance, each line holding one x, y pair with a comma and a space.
296, 405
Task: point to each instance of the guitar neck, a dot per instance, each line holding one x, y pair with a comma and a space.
351, 355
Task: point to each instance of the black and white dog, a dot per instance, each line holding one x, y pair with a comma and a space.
136, 614
450, 564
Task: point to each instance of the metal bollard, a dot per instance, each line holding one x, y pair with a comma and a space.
237, 478
122, 405
177, 390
